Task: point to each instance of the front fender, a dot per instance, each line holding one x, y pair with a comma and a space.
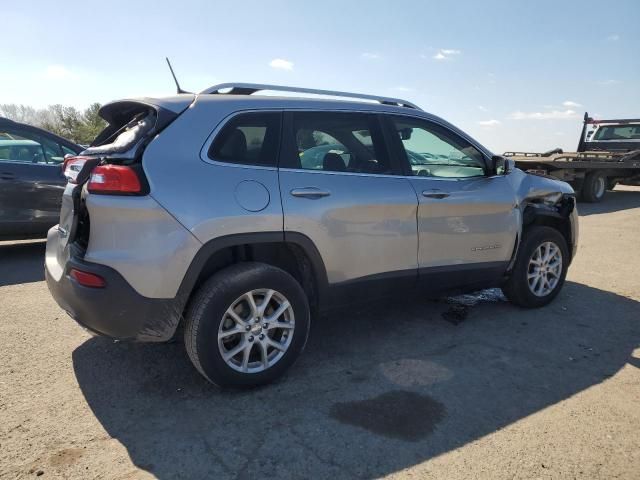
547, 201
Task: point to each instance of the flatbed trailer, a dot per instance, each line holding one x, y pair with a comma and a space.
590, 173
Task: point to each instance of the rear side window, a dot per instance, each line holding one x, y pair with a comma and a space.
248, 139
338, 142
618, 132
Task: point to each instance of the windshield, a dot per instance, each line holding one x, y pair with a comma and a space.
617, 132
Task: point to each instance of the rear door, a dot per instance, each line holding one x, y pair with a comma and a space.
340, 188
31, 182
468, 218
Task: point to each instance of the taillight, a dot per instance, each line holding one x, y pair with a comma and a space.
87, 279
114, 179
71, 167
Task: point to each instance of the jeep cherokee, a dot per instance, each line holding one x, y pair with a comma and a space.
244, 216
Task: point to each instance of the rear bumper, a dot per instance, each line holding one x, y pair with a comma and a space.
116, 310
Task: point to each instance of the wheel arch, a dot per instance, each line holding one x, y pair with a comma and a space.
291, 251
558, 218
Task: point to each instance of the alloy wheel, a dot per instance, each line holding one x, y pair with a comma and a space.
256, 330
544, 269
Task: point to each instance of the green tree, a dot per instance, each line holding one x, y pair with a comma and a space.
91, 125
68, 122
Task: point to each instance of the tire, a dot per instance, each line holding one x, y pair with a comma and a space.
208, 316
517, 288
594, 187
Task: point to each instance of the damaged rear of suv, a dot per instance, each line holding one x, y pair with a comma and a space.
242, 217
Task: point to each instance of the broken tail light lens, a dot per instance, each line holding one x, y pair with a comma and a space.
114, 179
71, 167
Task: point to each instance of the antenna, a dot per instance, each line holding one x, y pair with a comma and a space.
180, 90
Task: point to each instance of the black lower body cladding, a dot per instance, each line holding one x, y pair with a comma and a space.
116, 310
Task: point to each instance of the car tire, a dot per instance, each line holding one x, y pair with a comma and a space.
220, 319
594, 187
521, 287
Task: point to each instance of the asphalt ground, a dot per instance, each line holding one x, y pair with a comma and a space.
464, 387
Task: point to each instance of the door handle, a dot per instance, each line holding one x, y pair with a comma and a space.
439, 194
310, 192
7, 176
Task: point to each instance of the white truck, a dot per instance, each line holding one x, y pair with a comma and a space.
608, 153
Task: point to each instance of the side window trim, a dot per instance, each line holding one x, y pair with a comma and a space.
288, 148
398, 147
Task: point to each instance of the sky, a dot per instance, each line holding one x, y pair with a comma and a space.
514, 74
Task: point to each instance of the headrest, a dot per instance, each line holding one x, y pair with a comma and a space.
333, 162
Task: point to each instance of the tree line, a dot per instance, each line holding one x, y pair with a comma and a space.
78, 126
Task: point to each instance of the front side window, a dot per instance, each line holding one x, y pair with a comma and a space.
22, 146
338, 142
433, 151
248, 139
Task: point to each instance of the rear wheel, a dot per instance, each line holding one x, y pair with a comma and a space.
594, 187
246, 325
540, 268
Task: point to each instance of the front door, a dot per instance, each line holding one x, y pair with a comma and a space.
340, 189
468, 220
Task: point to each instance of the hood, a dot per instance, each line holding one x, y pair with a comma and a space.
532, 186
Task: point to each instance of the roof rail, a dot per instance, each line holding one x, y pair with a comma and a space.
251, 88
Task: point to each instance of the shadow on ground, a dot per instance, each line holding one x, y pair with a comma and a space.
376, 391
614, 201
21, 262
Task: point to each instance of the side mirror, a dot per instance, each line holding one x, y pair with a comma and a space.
501, 165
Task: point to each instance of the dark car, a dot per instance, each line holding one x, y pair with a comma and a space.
31, 179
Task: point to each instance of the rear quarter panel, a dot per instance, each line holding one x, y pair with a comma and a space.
206, 196
142, 241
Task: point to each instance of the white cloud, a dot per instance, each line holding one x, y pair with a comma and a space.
570, 104
614, 37
552, 115
482, 108
58, 72
281, 64
370, 56
489, 123
610, 81
446, 53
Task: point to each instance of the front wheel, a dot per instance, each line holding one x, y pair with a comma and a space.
246, 325
540, 268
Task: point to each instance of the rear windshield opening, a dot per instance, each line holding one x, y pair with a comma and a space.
126, 128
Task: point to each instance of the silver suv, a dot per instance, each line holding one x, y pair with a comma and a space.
243, 216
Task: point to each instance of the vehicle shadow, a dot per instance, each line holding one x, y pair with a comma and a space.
614, 201
21, 262
376, 391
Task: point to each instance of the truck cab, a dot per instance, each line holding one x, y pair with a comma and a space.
622, 135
